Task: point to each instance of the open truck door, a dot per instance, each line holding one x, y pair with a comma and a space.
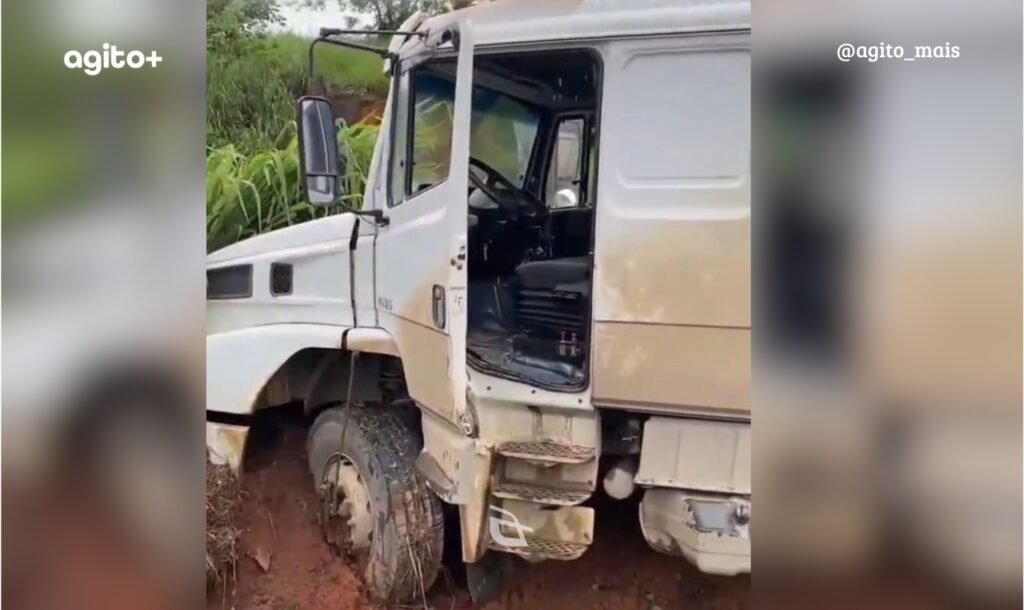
421, 250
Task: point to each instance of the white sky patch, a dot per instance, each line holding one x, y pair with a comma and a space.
306, 21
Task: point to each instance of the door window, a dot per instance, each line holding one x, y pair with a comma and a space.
422, 134
432, 124
502, 134
565, 172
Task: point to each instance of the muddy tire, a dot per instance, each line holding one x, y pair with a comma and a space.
404, 554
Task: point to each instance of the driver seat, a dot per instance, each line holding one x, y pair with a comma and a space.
550, 274
552, 299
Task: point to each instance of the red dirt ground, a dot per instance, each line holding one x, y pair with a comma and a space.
279, 516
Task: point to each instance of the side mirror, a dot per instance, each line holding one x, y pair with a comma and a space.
321, 168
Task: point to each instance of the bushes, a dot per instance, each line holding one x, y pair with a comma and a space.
251, 194
253, 79
251, 97
338, 68
247, 104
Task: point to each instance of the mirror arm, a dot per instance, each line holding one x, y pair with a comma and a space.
327, 33
341, 43
378, 216
392, 63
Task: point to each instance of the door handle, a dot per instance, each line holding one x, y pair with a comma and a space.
439, 307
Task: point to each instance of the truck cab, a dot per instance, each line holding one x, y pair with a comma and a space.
545, 292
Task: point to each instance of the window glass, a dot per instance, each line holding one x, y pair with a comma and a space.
502, 134
565, 169
400, 147
434, 108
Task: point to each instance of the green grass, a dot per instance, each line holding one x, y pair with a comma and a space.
250, 98
251, 194
337, 67
252, 170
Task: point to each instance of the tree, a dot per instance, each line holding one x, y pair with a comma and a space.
233, 24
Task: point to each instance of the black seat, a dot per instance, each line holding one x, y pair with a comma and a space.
552, 273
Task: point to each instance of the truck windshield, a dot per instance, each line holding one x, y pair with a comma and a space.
502, 134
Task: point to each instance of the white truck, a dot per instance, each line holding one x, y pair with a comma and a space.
547, 286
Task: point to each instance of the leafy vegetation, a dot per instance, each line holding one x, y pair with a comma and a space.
250, 98
251, 194
253, 78
337, 67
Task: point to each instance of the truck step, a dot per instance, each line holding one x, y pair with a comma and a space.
540, 548
540, 494
547, 451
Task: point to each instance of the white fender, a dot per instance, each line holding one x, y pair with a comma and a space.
240, 362
373, 340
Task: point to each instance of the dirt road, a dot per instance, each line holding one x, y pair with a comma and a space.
279, 517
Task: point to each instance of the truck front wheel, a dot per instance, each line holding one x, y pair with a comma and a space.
375, 508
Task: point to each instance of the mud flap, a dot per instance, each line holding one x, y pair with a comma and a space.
488, 578
457, 468
225, 444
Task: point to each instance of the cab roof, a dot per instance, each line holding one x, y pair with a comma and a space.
524, 21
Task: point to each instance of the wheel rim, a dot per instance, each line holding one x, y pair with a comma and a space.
348, 520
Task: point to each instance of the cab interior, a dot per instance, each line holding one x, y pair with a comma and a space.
532, 181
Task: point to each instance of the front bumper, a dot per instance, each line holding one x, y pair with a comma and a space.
710, 530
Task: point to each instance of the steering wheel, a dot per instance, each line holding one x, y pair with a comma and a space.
508, 196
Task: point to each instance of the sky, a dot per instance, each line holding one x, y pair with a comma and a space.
307, 21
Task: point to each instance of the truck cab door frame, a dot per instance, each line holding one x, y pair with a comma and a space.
420, 254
